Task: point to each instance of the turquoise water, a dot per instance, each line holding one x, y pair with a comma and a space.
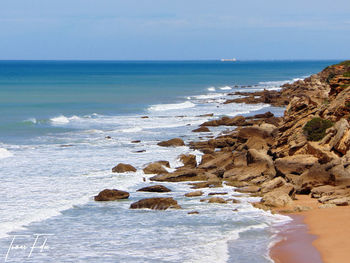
43, 90
54, 157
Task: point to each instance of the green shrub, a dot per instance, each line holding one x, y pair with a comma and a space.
347, 74
316, 128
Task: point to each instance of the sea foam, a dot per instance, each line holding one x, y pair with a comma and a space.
4, 153
175, 106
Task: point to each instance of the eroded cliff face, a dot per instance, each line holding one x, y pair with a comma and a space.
305, 152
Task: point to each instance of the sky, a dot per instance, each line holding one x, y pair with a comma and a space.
174, 30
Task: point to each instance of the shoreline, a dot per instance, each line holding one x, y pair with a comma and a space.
328, 231
295, 243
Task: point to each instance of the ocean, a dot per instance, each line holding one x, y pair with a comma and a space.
65, 124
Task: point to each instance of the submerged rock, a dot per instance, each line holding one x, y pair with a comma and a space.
155, 168
123, 168
193, 194
155, 188
111, 195
218, 200
157, 203
201, 129
172, 142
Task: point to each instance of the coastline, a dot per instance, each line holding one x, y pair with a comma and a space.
245, 154
295, 243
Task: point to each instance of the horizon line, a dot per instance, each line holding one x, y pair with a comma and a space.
167, 60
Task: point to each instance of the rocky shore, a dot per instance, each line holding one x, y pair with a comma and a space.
305, 152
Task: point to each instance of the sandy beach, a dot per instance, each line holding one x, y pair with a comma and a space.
327, 230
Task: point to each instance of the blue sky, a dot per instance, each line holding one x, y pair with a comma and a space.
177, 29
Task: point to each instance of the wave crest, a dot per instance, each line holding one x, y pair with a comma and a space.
175, 106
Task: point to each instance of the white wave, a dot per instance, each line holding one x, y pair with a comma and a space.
133, 129
64, 120
208, 96
226, 88
4, 153
60, 120
31, 120
175, 106
212, 89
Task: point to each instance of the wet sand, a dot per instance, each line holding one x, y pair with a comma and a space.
330, 226
296, 244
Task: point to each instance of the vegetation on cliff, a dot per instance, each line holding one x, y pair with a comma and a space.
316, 128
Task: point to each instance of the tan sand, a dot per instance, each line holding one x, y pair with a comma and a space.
330, 225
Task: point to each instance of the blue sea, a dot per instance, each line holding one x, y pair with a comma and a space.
65, 124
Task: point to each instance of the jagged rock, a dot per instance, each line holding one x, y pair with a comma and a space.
257, 143
123, 168
186, 174
313, 177
155, 168
315, 149
189, 160
206, 158
249, 189
155, 188
172, 142
276, 198
338, 137
201, 129
320, 191
193, 194
111, 195
157, 203
222, 160
273, 184
263, 131
295, 164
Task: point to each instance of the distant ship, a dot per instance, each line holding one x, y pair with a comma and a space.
228, 59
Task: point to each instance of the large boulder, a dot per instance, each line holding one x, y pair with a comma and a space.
276, 198
272, 184
338, 137
259, 166
155, 188
295, 164
155, 168
123, 168
172, 142
222, 160
263, 131
189, 160
111, 195
157, 203
316, 176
